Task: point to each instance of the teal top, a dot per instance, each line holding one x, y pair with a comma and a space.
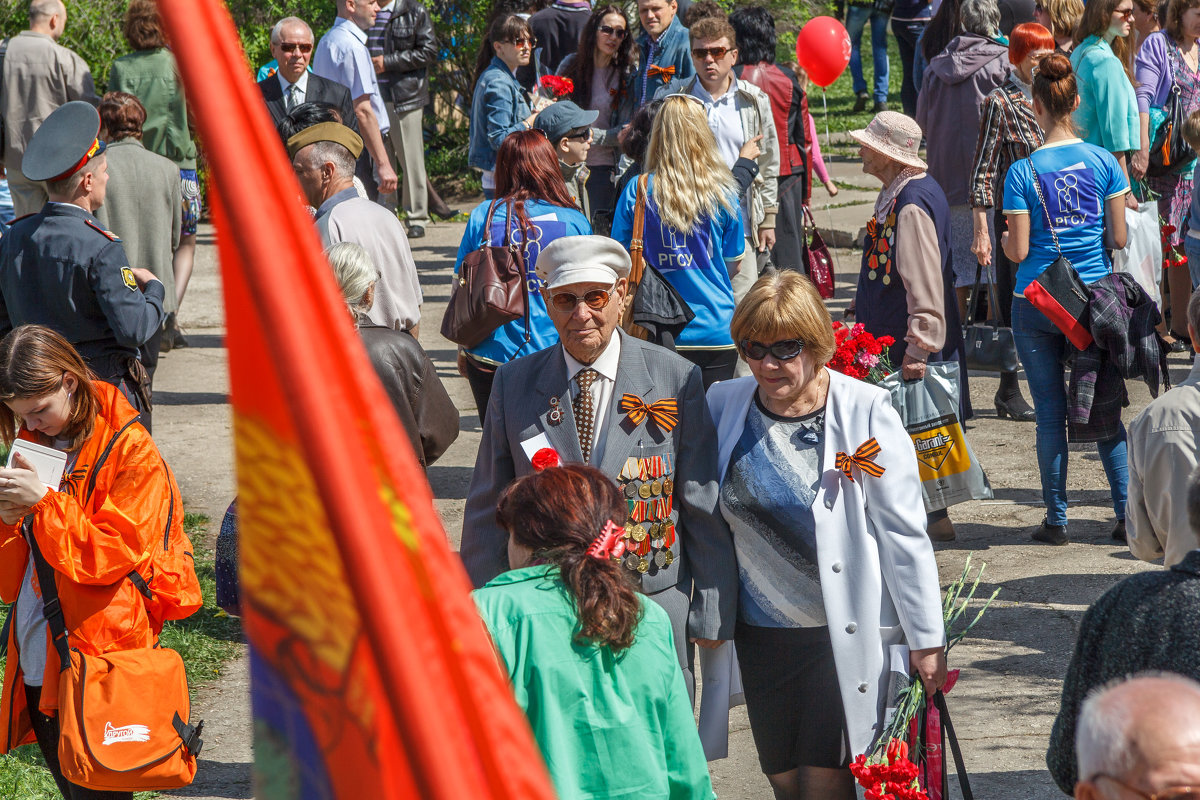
1108, 115
151, 76
608, 725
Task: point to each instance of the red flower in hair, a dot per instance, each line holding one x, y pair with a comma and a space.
545, 458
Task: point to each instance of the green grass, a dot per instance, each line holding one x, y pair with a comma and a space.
206, 640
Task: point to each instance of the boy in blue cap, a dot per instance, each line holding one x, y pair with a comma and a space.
569, 129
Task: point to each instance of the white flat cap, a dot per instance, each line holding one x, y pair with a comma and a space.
582, 259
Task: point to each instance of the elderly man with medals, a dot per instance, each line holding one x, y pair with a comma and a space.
634, 410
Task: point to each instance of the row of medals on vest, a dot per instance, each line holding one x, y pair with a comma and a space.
648, 485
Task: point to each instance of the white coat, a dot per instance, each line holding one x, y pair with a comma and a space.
879, 579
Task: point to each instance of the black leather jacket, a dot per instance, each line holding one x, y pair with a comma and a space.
426, 411
409, 49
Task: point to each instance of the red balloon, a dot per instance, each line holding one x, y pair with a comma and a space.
823, 50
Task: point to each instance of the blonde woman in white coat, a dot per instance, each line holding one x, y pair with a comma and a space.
835, 565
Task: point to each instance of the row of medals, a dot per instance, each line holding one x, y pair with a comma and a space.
648, 486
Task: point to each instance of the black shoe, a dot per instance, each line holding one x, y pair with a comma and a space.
416, 231
1051, 534
1182, 342
880, 105
860, 104
1177, 346
1014, 408
1118, 532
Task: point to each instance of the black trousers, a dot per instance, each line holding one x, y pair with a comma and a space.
602, 199
480, 377
715, 364
46, 730
1006, 273
907, 34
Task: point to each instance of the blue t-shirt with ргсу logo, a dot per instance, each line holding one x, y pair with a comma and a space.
549, 222
1077, 179
695, 263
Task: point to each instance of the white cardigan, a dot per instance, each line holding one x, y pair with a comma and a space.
879, 579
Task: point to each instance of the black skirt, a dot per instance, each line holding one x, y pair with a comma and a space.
792, 697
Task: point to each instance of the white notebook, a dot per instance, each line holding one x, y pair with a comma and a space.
49, 463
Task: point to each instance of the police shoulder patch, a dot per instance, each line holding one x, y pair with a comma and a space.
127, 276
112, 237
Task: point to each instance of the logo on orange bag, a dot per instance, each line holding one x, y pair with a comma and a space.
114, 734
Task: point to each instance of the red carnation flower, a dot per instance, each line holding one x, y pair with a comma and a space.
557, 85
545, 458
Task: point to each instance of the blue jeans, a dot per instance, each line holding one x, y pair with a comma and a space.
1042, 348
907, 35
856, 20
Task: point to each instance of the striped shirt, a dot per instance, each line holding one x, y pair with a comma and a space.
1009, 132
375, 37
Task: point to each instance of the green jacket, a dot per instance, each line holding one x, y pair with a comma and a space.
151, 76
609, 726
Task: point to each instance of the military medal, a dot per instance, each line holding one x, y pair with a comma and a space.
643, 566
556, 414
668, 486
660, 559
637, 533
630, 490
630, 561
644, 491
656, 487
669, 558
629, 471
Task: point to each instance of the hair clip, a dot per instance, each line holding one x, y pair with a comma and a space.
610, 543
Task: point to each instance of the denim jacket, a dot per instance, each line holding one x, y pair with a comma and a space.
498, 108
673, 49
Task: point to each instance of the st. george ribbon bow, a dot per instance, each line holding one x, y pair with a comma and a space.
863, 458
665, 413
666, 73
610, 543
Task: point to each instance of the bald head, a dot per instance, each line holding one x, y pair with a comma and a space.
291, 25
1143, 732
48, 17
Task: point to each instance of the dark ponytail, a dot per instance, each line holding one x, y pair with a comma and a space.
558, 513
1054, 86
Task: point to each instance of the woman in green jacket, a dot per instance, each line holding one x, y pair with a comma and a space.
591, 660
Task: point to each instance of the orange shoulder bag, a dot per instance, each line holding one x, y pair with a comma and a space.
122, 716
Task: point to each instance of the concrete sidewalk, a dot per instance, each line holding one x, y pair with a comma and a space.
1012, 665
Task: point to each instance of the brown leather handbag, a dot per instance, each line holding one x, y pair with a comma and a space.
638, 268
489, 289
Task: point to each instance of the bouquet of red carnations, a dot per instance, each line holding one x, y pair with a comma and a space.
889, 771
556, 87
859, 354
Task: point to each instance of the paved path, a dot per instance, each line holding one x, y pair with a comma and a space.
1012, 667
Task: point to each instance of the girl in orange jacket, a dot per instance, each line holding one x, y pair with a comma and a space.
116, 500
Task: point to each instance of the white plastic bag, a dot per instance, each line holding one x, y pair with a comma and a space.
1142, 255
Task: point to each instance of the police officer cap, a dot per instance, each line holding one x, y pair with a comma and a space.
64, 144
582, 259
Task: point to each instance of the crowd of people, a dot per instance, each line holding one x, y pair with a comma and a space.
671, 477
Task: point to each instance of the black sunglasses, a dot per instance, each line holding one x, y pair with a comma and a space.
611, 31
596, 299
716, 52
783, 350
289, 47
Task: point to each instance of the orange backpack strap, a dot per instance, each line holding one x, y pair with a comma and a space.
639, 224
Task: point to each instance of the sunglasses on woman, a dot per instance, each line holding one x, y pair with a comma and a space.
609, 30
1127, 13
596, 299
783, 350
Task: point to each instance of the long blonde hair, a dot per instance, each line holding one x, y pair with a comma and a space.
690, 178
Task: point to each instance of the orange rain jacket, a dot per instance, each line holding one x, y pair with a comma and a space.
92, 543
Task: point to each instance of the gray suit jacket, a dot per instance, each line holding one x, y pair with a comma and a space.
705, 566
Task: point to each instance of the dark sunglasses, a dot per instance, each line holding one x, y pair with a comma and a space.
716, 52
1127, 13
580, 136
609, 30
524, 41
596, 299
783, 350
291, 47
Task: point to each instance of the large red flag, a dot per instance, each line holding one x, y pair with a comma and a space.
372, 676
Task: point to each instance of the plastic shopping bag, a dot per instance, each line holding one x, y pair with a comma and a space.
950, 473
1142, 255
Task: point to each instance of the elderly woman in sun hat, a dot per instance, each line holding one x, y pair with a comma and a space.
906, 284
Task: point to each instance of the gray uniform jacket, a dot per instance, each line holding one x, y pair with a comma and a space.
704, 567
141, 205
62, 269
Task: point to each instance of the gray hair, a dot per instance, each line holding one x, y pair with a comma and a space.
45, 9
1107, 733
333, 153
980, 17
356, 274
277, 31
